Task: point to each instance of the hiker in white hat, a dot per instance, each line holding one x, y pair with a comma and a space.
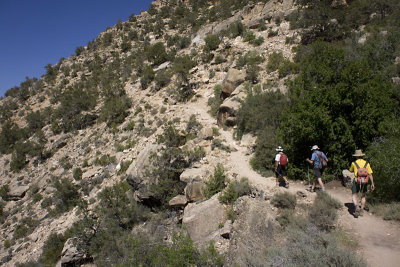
362, 173
281, 161
319, 161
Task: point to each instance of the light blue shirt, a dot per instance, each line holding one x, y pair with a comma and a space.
315, 158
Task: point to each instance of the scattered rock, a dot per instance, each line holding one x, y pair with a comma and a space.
194, 191
17, 192
71, 256
178, 201
203, 219
206, 134
233, 78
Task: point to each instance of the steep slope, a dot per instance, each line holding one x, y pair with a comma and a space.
152, 102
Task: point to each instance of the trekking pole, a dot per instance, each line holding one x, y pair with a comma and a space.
308, 174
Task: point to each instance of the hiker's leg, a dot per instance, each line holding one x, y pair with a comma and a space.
321, 184
355, 200
286, 181
363, 201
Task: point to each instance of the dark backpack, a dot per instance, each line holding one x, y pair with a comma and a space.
322, 161
283, 160
362, 174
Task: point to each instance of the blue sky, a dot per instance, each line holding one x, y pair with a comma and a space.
35, 33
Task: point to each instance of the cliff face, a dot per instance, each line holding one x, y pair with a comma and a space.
119, 110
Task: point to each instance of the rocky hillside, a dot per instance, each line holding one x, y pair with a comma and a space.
135, 134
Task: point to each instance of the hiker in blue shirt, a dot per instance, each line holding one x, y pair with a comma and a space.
318, 160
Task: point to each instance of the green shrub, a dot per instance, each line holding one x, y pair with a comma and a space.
104, 160
130, 126
66, 195
4, 189
307, 246
383, 158
181, 67
162, 79
115, 109
389, 211
285, 217
212, 42
249, 37
235, 190
272, 33
77, 174
52, 249
25, 227
258, 41
215, 101
323, 211
157, 53
65, 163
284, 200
216, 183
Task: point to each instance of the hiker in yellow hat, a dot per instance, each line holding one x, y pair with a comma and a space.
362, 173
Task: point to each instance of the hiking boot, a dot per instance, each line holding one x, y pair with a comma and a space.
357, 212
286, 184
361, 213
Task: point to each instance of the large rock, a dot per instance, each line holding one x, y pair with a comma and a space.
277, 9
206, 134
194, 174
194, 191
203, 219
347, 177
17, 192
71, 256
178, 201
233, 78
228, 109
135, 175
59, 142
136, 171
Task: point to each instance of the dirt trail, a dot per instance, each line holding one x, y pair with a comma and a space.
379, 240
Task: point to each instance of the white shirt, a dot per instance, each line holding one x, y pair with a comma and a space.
278, 157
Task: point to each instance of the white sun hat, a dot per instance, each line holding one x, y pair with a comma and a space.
315, 147
279, 148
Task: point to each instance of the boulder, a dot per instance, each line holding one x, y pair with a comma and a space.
178, 201
135, 173
17, 192
206, 134
92, 172
233, 79
194, 191
71, 256
136, 176
194, 174
59, 142
347, 177
203, 219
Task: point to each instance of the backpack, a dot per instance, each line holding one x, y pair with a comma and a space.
322, 161
362, 174
283, 160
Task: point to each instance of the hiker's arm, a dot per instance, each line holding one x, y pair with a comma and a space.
372, 182
276, 165
310, 161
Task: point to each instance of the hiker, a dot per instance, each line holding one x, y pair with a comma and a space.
281, 161
362, 173
319, 160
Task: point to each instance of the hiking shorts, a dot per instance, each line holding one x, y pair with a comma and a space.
280, 172
359, 188
318, 173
